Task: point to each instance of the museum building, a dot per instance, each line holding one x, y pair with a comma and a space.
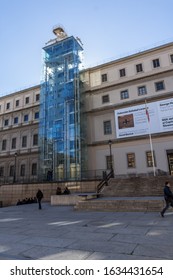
80, 123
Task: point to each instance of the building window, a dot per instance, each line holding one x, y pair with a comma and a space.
24, 141
71, 118
109, 162
8, 106
22, 170
13, 143
124, 94
6, 122
11, 173
35, 139
122, 72
17, 103
16, 120
37, 97
171, 57
104, 78
107, 127
72, 145
71, 107
25, 118
36, 116
1, 171
149, 159
139, 68
27, 100
34, 169
72, 156
131, 160
142, 90
159, 86
4, 144
105, 98
156, 63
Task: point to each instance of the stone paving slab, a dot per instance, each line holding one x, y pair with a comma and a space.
157, 250
8, 237
15, 249
61, 233
47, 253
107, 247
89, 236
116, 256
48, 241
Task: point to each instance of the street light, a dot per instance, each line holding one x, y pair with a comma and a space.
110, 149
15, 161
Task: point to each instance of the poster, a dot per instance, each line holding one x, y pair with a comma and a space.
133, 121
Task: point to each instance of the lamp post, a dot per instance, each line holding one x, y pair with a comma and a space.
110, 150
15, 165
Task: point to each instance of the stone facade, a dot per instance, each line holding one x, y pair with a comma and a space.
109, 87
19, 117
122, 84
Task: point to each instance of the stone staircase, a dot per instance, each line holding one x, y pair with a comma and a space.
137, 194
134, 187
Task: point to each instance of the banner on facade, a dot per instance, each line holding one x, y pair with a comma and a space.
133, 121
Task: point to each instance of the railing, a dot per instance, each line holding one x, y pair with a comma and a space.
88, 175
100, 175
105, 180
22, 180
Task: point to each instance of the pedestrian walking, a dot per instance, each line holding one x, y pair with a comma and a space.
39, 196
168, 196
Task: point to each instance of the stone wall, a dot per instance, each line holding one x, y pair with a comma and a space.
10, 194
118, 187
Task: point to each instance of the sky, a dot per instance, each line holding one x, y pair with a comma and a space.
108, 30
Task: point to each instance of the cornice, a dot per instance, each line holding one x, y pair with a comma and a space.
131, 139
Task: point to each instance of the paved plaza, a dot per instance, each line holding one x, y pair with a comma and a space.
60, 232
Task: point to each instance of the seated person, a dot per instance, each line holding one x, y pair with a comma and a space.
19, 202
58, 191
66, 191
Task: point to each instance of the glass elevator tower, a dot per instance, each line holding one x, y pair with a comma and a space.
59, 130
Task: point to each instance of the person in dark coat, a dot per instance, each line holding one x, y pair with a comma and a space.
66, 191
39, 196
168, 196
58, 191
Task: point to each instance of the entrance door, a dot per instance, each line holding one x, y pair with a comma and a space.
170, 162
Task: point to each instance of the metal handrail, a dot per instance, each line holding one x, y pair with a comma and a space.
105, 180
